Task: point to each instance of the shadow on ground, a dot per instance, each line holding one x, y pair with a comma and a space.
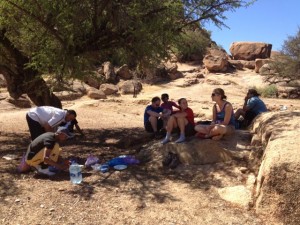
139, 181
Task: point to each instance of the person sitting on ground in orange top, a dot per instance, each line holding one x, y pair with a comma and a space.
183, 119
167, 108
223, 118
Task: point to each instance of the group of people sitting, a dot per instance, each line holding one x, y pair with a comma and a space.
48, 126
161, 118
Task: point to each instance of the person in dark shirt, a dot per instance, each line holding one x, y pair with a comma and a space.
45, 150
153, 117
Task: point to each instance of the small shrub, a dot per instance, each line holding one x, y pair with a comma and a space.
268, 91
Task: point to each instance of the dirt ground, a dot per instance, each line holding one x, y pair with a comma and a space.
140, 194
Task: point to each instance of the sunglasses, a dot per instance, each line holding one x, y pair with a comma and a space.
214, 94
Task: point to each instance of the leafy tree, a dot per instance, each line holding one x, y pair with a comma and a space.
67, 37
287, 64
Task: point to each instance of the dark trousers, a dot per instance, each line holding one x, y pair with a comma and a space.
35, 128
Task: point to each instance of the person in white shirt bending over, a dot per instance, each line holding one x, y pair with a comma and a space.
46, 119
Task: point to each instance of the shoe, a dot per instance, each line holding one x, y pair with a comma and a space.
181, 139
165, 141
44, 171
175, 161
168, 159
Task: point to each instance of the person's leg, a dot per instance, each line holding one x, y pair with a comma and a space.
35, 128
172, 123
182, 122
204, 129
218, 132
153, 121
249, 117
238, 113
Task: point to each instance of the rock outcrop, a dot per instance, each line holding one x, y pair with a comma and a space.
131, 87
277, 188
124, 72
198, 152
109, 72
96, 94
250, 50
109, 89
22, 102
215, 63
260, 62
241, 64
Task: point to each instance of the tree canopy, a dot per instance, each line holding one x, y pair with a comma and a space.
65, 37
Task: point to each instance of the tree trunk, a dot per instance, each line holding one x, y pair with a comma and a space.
21, 80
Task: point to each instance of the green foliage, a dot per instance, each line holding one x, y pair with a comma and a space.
192, 44
287, 65
269, 91
67, 37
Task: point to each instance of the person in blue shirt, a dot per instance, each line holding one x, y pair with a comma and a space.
153, 122
253, 106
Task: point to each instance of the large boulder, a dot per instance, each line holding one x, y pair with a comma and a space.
259, 63
131, 87
288, 92
109, 89
92, 81
241, 64
109, 72
250, 50
2, 81
198, 152
22, 102
266, 69
215, 63
68, 95
124, 72
96, 94
277, 187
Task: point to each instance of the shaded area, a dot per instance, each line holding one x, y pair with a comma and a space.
143, 182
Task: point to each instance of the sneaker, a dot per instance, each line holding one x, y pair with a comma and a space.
165, 141
168, 159
44, 171
181, 139
175, 161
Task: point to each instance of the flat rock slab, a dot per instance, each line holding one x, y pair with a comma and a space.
198, 152
239, 195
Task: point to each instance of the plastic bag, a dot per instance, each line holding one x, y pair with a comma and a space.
91, 160
23, 167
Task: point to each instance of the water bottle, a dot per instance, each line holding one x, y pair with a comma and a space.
75, 173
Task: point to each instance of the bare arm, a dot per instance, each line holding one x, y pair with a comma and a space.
152, 113
50, 162
48, 128
78, 129
245, 107
214, 111
228, 112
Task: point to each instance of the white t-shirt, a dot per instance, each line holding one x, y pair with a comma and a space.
47, 114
